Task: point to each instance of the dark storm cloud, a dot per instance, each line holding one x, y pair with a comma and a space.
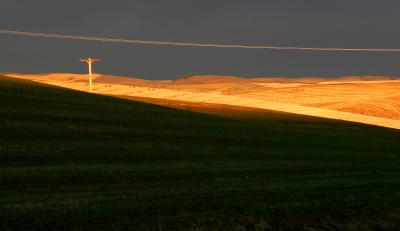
317, 23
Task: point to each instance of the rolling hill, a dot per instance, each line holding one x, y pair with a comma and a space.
364, 99
73, 160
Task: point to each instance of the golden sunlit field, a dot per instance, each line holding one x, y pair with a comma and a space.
372, 100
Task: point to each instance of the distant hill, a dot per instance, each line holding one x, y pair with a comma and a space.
220, 79
375, 96
365, 78
100, 78
111, 79
193, 79
208, 79
288, 80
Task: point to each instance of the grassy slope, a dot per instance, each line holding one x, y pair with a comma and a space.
69, 159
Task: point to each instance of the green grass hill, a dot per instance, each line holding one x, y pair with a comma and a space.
73, 160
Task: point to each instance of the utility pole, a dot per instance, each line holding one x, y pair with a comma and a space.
90, 61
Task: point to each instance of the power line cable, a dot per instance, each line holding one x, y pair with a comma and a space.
193, 44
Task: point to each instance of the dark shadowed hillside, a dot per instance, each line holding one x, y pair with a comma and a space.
72, 160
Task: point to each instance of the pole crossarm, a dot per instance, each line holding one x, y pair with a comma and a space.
89, 60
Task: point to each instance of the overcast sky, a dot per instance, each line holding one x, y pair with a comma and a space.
315, 23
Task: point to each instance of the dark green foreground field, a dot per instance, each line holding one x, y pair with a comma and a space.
70, 160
